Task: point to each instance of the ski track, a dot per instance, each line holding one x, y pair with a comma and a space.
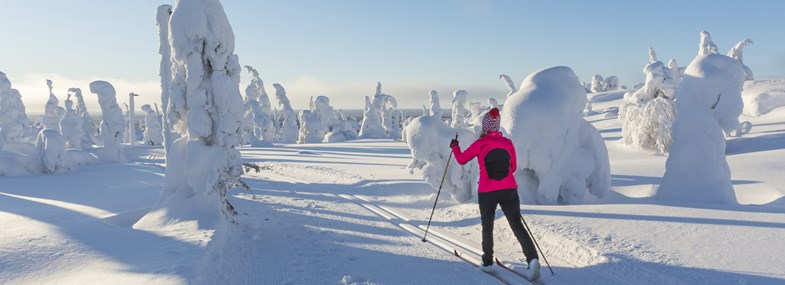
335, 240
576, 252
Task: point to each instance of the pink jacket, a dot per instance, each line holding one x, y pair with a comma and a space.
496, 156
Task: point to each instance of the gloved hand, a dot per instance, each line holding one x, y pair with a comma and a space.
453, 143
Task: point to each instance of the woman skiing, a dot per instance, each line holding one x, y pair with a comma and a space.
497, 186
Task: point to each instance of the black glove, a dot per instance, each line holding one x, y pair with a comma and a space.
453, 143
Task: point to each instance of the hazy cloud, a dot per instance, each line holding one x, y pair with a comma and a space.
343, 95
34, 91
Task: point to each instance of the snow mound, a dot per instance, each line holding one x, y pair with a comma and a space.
763, 96
560, 155
709, 102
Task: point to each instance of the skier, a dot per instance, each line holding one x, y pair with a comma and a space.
497, 186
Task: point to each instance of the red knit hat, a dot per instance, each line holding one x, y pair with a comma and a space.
490, 122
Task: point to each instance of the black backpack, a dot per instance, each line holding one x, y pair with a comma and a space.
497, 163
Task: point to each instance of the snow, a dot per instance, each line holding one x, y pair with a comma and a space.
762, 96
560, 158
708, 107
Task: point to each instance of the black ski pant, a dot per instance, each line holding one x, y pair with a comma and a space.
511, 206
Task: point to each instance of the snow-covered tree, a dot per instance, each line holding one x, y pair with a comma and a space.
646, 114
289, 130
205, 107
675, 70
386, 106
163, 15
258, 120
510, 85
89, 129
49, 156
428, 138
597, 84
13, 119
709, 103
459, 112
706, 45
611, 83
113, 123
152, 127
561, 156
436, 109
52, 112
309, 128
342, 130
737, 53
371, 126
71, 126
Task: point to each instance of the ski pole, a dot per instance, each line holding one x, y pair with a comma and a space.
437, 193
538, 245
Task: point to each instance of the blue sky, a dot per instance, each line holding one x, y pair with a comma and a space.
341, 48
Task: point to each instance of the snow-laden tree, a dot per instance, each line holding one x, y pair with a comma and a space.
205, 107
493, 103
309, 128
709, 103
436, 108
597, 84
371, 126
459, 112
706, 45
288, 133
52, 111
152, 127
258, 121
386, 106
342, 130
13, 118
509, 84
89, 129
163, 15
324, 114
675, 70
429, 139
71, 126
561, 156
113, 123
646, 114
49, 156
611, 83
736, 52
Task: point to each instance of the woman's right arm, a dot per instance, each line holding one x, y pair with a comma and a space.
466, 156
